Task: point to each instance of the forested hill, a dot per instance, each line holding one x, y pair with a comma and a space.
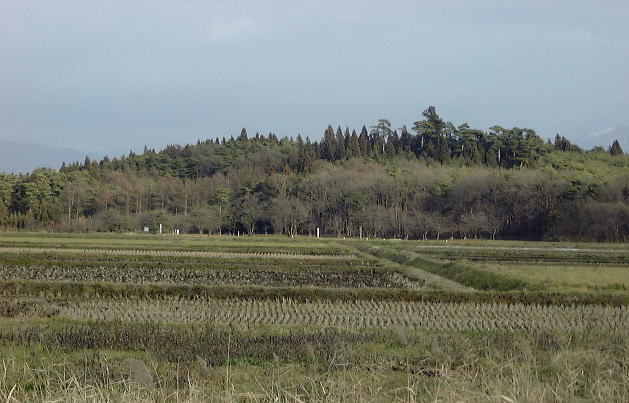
433, 180
431, 140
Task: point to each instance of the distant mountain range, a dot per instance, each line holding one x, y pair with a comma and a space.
21, 158
606, 137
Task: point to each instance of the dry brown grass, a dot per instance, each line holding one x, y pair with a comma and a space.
176, 253
351, 314
575, 377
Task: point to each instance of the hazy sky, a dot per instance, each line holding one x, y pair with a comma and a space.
109, 75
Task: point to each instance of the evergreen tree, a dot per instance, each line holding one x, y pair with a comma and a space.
615, 148
563, 144
363, 141
469, 144
430, 131
353, 150
491, 146
311, 153
406, 140
243, 135
328, 145
380, 133
394, 141
340, 145
390, 149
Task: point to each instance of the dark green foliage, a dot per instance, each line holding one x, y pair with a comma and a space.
615, 148
508, 183
563, 144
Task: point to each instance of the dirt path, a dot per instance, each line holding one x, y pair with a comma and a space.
430, 280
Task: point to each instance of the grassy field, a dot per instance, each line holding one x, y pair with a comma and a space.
565, 277
124, 317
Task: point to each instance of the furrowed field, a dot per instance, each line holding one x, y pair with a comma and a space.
197, 318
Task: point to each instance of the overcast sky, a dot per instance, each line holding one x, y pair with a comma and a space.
106, 76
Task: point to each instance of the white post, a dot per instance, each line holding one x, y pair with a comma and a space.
317, 232
160, 228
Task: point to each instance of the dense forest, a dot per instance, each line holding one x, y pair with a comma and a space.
432, 181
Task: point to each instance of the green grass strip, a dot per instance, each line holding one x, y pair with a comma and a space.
477, 279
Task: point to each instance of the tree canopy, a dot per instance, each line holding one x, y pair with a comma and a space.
436, 180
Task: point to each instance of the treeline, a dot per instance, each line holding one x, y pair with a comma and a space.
432, 140
440, 181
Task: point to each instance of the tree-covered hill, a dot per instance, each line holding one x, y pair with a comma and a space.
435, 180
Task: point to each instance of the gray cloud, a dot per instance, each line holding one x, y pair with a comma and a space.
107, 76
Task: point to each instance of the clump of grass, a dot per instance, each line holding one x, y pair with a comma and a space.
139, 373
203, 366
27, 308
